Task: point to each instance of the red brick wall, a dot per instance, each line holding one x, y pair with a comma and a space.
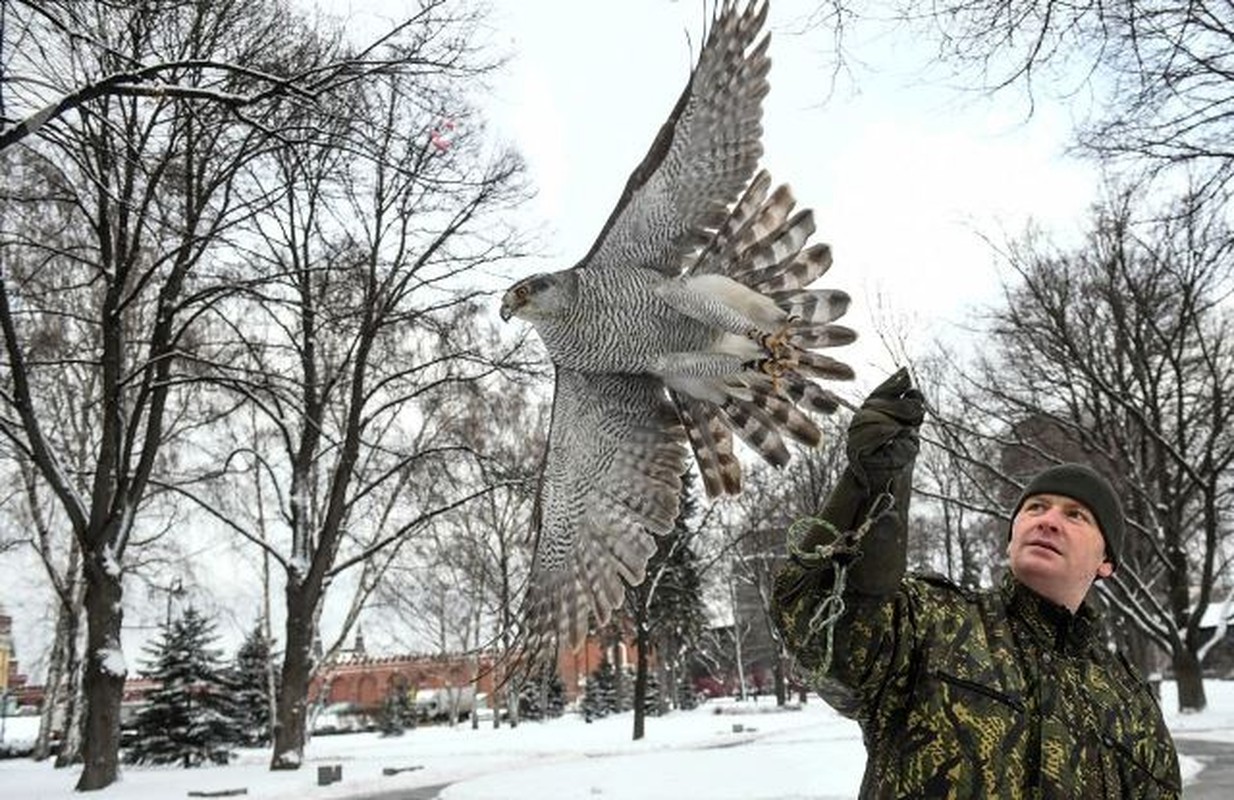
366, 681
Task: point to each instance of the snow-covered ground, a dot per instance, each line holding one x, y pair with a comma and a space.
724, 749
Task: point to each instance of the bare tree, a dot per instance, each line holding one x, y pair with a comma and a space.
482, 548
35, 512
501, 524
771, 502
1120, 354
141, 182
135, 239
956, 529
1160, 71
61, 559
361, 328
62, 56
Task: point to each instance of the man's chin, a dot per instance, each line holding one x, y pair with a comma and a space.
1045, 576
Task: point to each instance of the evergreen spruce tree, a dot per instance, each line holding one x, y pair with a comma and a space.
396, 712
608, 680
623, 689
651, 701
252, 689
543, 698
556, 697
600, 698
191, 717
591, 700
687, 697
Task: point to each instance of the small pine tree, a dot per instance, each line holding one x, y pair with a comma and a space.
687, 697
396, 712
556, 697
623, 690
190, 718
600, 697
252, 698
544, 698
651, 703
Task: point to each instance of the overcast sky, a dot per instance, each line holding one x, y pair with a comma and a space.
905, 172
904, 175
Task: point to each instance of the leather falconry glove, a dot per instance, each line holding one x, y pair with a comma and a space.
882, 445
883, 436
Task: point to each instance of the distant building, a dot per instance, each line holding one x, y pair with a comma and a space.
11, 681
758, 560
6, 649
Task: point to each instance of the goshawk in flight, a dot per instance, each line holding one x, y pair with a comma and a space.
687, 321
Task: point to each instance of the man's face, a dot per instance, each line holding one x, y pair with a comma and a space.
1056, 548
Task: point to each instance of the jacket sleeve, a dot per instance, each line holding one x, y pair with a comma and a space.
872, 639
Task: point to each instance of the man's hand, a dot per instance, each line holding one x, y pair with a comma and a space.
883, 435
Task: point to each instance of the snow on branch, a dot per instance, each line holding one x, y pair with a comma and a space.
1223, 624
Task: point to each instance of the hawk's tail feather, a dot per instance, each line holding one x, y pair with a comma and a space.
756, 429
712, 443
782, 412
809, 394
744, 212
769, 219
811, 306
778, 247
766, 238
802, 269
820, 366
752, 218
761, 246
810, 337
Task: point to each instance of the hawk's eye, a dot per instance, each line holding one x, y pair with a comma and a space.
521, 292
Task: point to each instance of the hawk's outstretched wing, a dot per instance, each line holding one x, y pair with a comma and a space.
702, 157
615, 458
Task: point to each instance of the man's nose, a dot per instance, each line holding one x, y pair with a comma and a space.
1053, 517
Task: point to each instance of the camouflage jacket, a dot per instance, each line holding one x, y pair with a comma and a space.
992, 694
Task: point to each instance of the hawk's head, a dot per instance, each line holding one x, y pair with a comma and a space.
540, 297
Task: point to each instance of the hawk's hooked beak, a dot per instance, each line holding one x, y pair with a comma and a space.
507, 307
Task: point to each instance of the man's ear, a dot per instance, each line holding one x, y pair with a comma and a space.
1105, 569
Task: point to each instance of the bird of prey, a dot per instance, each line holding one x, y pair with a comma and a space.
688, 320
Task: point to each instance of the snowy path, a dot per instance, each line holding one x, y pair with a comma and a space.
786, 755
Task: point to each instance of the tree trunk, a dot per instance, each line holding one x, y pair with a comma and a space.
640, 682
512, 693
1190, 681
69, 752
290, 725
104, 676
780, 676
668, 689
60, 683
52, 697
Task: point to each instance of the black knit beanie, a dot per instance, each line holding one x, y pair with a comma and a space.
1080, 482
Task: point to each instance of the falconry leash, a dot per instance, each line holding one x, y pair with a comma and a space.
843, 550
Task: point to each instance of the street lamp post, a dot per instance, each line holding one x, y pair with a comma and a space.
175, 588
